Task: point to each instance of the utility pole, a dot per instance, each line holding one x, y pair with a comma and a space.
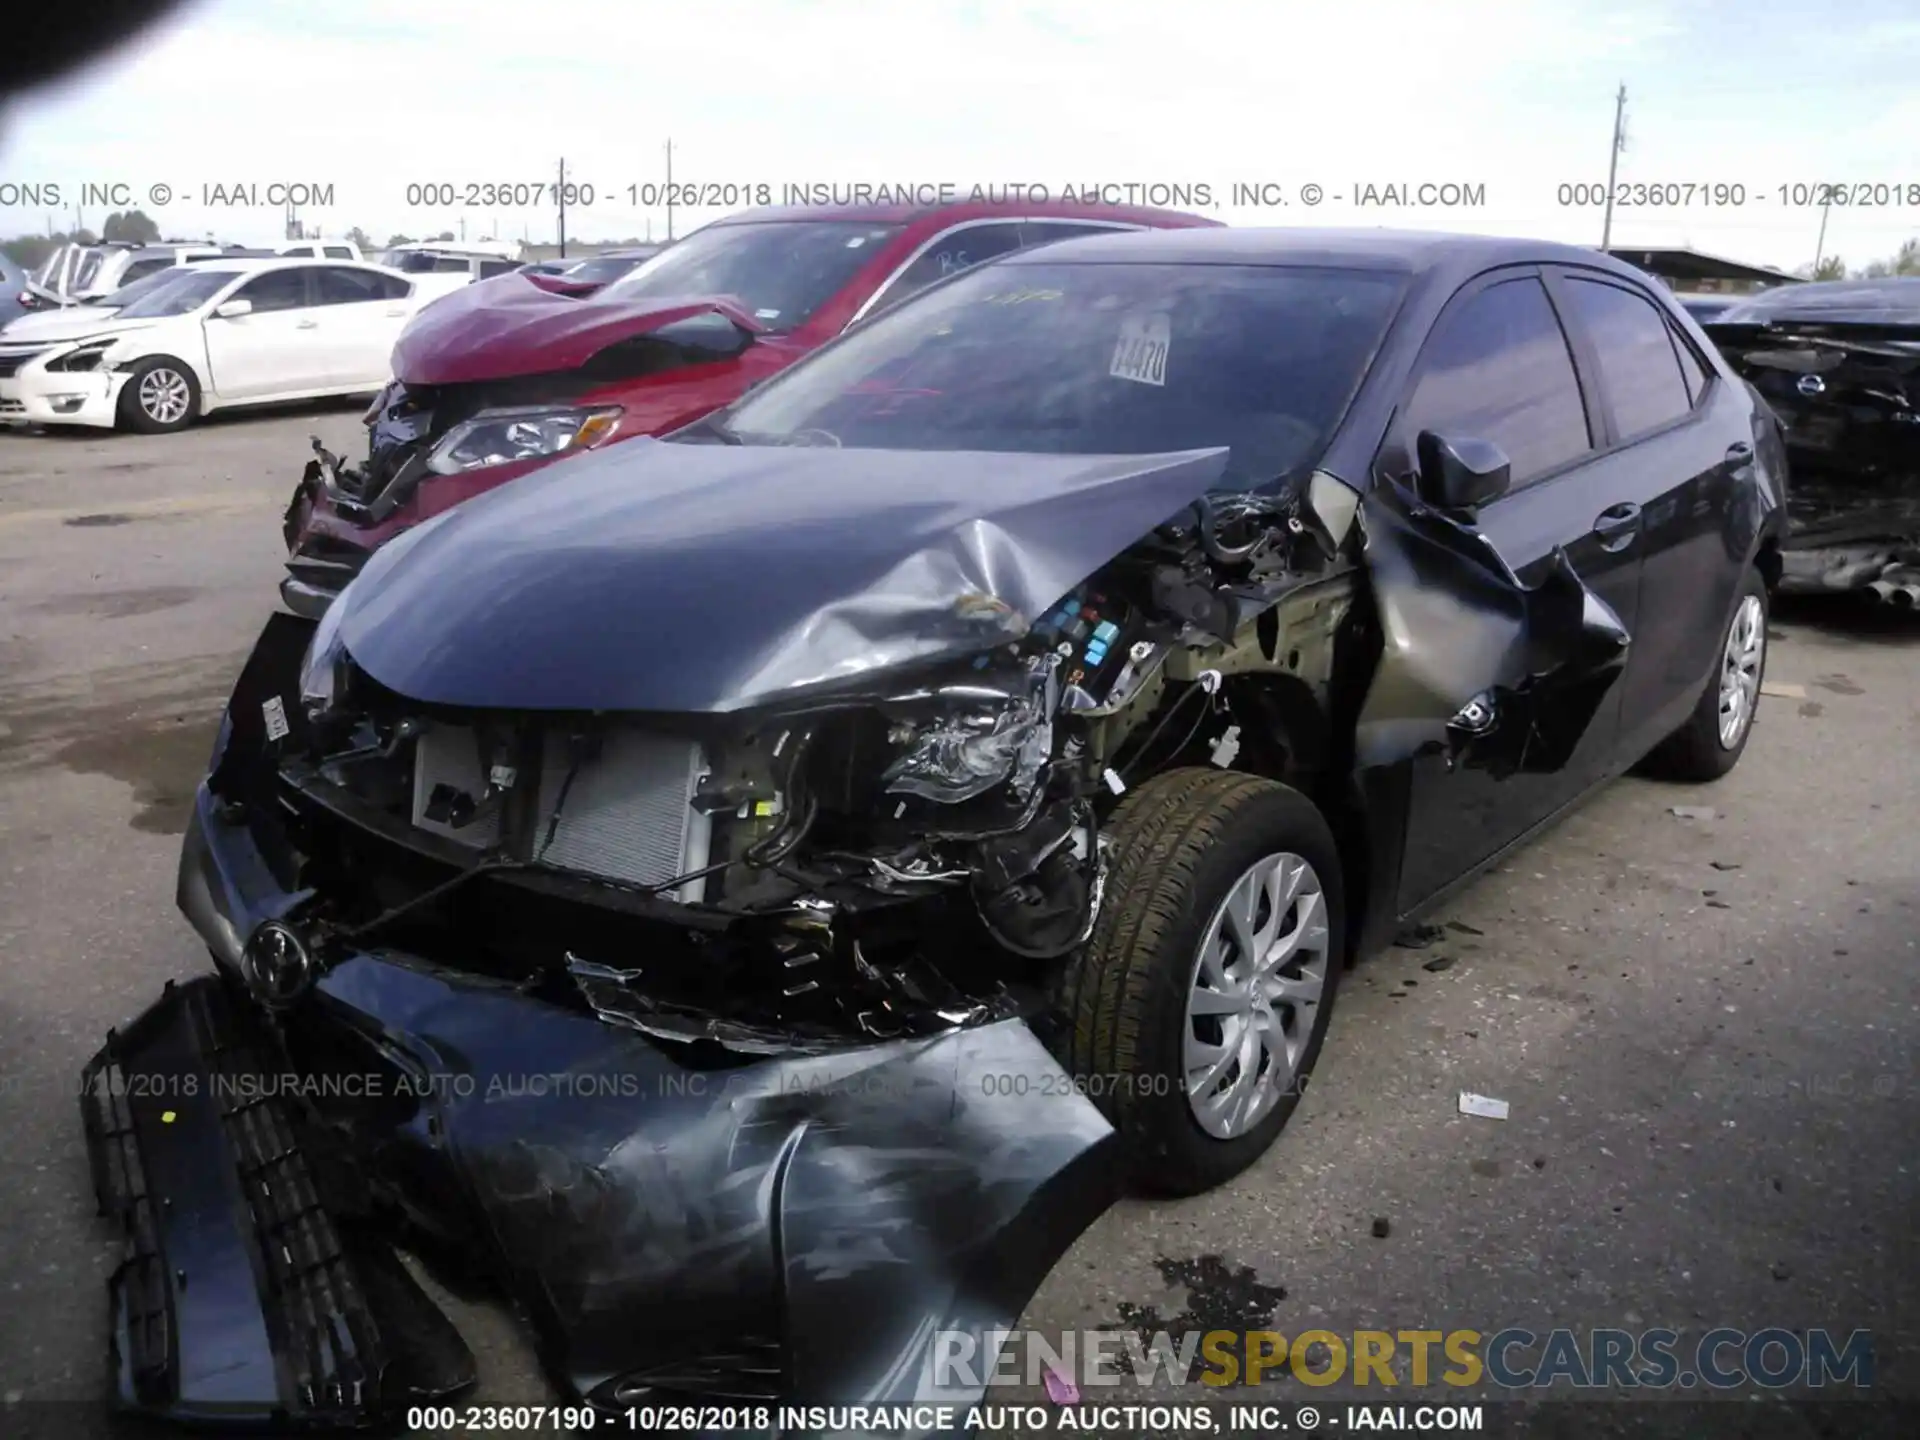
1613, 159
669, 192
1820, 245
563, 207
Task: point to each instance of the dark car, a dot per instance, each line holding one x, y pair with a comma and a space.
1705, 307
777, 882
1840, 363
506, 375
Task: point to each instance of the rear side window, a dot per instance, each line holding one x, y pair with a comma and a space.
140, 269
1497, 368
491, 268
1690, 366
338, 252
1634, 345
953, 252
346, 285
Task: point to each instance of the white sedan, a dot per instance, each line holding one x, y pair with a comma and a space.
212, 335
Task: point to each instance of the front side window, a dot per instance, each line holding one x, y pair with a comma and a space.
1497, 368
1094, 360
780, 271
275, 290
1634, 347
140, 269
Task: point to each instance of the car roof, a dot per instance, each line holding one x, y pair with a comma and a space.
1405, 252
1890, 298
964, 209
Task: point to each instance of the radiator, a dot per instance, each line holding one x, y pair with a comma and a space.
627, 814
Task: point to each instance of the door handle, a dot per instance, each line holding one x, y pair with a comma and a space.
1616, 526
1740, 452
397, 311
306, 325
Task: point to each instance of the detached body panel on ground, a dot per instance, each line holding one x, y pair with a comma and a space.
775, 884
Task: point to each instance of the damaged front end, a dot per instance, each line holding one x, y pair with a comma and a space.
462, 417
701, 997
1842, 372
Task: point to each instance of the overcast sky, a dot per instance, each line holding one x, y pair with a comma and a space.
369, 96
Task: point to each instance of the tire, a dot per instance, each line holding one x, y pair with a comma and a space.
150, 401
1699, 751
1180, 842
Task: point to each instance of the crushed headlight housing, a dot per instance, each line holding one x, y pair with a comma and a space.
964, 755
500, 437
323, 671
86, 356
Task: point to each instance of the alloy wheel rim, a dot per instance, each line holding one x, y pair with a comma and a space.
163, 395
1257, 985
1740, 671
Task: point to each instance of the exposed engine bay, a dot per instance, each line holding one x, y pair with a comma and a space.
892, 860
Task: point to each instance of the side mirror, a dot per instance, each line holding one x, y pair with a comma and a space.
710, 336
233, 309
1461, 474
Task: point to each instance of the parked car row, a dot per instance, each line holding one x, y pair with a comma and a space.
930, 706
199, 337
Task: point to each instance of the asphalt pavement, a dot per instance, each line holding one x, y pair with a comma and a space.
1703, 1025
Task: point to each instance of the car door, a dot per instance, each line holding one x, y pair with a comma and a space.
959, 247
1678, 452
1498, 366
273, 349
361, 314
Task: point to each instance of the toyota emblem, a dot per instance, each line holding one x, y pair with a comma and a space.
1811, 385
278, 965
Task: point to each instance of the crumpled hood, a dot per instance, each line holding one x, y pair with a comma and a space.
507, 326
679, 577
76, 322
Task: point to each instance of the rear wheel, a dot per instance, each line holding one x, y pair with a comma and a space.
160, 395
1199, 1005
1715, 735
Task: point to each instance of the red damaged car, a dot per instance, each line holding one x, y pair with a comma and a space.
505, 375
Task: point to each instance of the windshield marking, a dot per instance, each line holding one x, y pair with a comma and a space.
1140, 354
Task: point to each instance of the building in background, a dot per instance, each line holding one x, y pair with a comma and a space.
1697, 273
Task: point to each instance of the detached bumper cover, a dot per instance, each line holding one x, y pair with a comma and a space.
238, 1299
793, 1229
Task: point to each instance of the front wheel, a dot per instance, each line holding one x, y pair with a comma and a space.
1198, 1007
161, 395
1715, 735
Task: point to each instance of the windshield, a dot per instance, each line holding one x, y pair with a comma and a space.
176, 293
1094, 360
781, 271
601, 270
89, 267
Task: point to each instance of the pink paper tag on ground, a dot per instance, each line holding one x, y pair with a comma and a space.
1060, 1389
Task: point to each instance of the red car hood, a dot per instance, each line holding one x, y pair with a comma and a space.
509, 326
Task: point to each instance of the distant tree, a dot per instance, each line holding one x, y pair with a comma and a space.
1906, 260
130, 226
360, 237
1877, 270
1831, 268
393, 240
443, 235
